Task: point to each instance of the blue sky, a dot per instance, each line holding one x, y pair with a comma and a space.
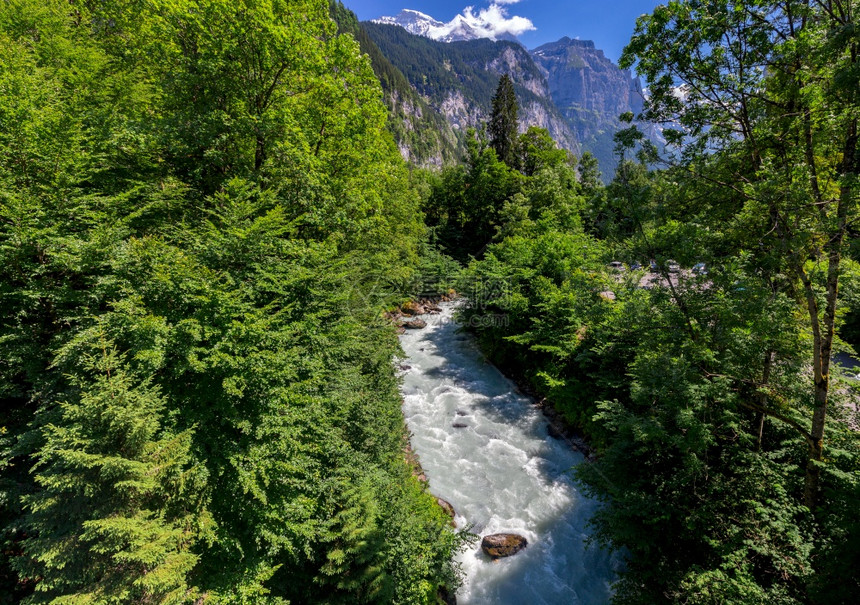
608, 22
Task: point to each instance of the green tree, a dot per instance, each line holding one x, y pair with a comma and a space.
536, 150
773, 86
466, 204
121, 503
503, 124
187, 223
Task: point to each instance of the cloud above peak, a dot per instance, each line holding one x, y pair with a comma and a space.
492, 22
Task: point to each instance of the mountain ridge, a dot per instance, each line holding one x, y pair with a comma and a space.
458, 79
444, 86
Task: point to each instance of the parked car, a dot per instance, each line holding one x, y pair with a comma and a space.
672, 266
616, 265
653, 266
635, 266
700, 269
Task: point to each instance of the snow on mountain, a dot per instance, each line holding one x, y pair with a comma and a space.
492, 22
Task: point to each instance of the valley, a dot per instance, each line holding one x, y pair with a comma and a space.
302, 309
568, 88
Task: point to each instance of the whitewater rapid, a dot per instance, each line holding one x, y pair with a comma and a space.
502, 472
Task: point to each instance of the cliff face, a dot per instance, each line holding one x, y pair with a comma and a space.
536, 107
590, 91
583, 81
458, 79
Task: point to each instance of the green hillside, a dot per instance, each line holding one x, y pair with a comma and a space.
416, 126
436, 68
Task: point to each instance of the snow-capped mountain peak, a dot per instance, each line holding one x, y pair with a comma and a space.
415, 22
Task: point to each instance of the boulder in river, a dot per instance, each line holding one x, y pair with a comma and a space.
448, 509
415, 324
503, 545
459, 425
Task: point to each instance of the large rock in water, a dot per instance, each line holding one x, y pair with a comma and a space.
503, 545
415, 324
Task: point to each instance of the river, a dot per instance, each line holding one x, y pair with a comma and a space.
501, 471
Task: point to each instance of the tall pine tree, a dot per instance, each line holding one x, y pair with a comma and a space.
503, 121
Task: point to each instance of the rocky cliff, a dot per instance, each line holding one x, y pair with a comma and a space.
458, 79
590, 91
588, 88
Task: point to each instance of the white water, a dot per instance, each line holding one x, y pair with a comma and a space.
502, 473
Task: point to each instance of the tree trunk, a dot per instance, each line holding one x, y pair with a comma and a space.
824, 332
259, 152
762, 397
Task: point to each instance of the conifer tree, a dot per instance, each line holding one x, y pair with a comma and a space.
119, 501
503, 121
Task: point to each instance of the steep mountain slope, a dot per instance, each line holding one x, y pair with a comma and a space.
459, 78
588, 87
423, 135
591, 92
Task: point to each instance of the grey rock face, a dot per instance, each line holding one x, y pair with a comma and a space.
588, 88
498, 546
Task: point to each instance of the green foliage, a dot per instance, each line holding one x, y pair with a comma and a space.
727, 451
465, 201
120, 504
536, 150
502, 126
199, 401
469, 206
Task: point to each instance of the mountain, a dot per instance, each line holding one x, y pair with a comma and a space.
460, 29
585, 84
458, 79
591, 92
437, 88
424, 136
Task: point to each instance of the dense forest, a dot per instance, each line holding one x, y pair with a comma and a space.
204, 217
728, 451
192, 195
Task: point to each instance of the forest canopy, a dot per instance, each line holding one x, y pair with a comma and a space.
195, 409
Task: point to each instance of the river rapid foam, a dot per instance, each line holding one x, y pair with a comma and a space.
502, 472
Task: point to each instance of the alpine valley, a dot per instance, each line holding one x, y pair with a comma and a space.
439, 78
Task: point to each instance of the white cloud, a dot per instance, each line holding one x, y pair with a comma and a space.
491, 22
